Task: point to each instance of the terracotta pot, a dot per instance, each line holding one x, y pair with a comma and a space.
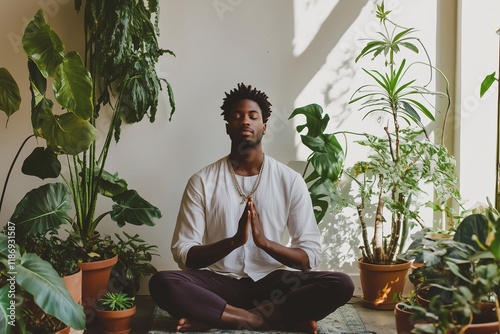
95, 277
116, 322
486, 322
73, 283
404, 320
486, 328
64, 331
414, 266
381, 283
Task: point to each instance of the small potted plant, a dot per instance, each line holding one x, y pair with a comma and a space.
134, 262
114, 311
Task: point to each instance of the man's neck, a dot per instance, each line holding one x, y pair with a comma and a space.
248, 163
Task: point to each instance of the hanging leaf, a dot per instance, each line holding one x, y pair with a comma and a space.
42, 163
10, 97
486, 84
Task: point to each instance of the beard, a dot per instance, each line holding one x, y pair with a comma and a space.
246, 145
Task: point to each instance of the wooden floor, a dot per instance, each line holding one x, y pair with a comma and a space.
379, 322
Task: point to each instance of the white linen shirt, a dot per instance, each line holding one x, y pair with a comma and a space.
211, 208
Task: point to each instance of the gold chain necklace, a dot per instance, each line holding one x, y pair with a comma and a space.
237, 185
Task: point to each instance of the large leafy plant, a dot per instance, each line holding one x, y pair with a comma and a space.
34, 280
460, 274
325, 163
119, 74
401, 160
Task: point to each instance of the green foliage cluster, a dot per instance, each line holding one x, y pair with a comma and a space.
401, 161
115, 301
460, 275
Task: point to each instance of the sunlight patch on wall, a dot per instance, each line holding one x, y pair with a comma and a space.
332, 85
309, 15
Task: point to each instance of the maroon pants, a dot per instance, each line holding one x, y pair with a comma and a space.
202, 295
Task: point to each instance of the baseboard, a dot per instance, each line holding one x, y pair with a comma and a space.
357, 284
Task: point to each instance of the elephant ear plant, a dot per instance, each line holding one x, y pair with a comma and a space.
121, 51
402, 159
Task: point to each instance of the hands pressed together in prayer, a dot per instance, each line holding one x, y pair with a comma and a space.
250, 223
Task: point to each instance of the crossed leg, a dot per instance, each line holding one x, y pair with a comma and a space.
294, 301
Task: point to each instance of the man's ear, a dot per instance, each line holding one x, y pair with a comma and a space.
264, 130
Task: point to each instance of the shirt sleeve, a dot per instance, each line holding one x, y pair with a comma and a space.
302, 226
190, 225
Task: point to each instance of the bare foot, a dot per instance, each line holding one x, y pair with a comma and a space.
186, 325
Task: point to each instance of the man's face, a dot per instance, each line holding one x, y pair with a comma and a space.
245, 124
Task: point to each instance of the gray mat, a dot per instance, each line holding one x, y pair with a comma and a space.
345, 320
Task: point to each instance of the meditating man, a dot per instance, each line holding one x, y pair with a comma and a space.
236, 273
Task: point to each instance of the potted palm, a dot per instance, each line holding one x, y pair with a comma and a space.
124, 80
114, 311
388, 184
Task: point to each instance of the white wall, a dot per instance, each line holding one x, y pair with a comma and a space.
477, 117
295, 56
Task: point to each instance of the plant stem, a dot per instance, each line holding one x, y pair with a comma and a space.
10, 170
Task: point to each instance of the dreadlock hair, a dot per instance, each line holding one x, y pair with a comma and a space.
244, 92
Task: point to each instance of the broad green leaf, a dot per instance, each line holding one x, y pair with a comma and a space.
134, 101
4, 246
487, 82
133, 209
475, 224
10, 97
41, 113
315, 124
38, 278
328, 158
42, 163
111, 185
37, 80
495, 245
42, 45
70, 134
42, 209
4, 312
73, 86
